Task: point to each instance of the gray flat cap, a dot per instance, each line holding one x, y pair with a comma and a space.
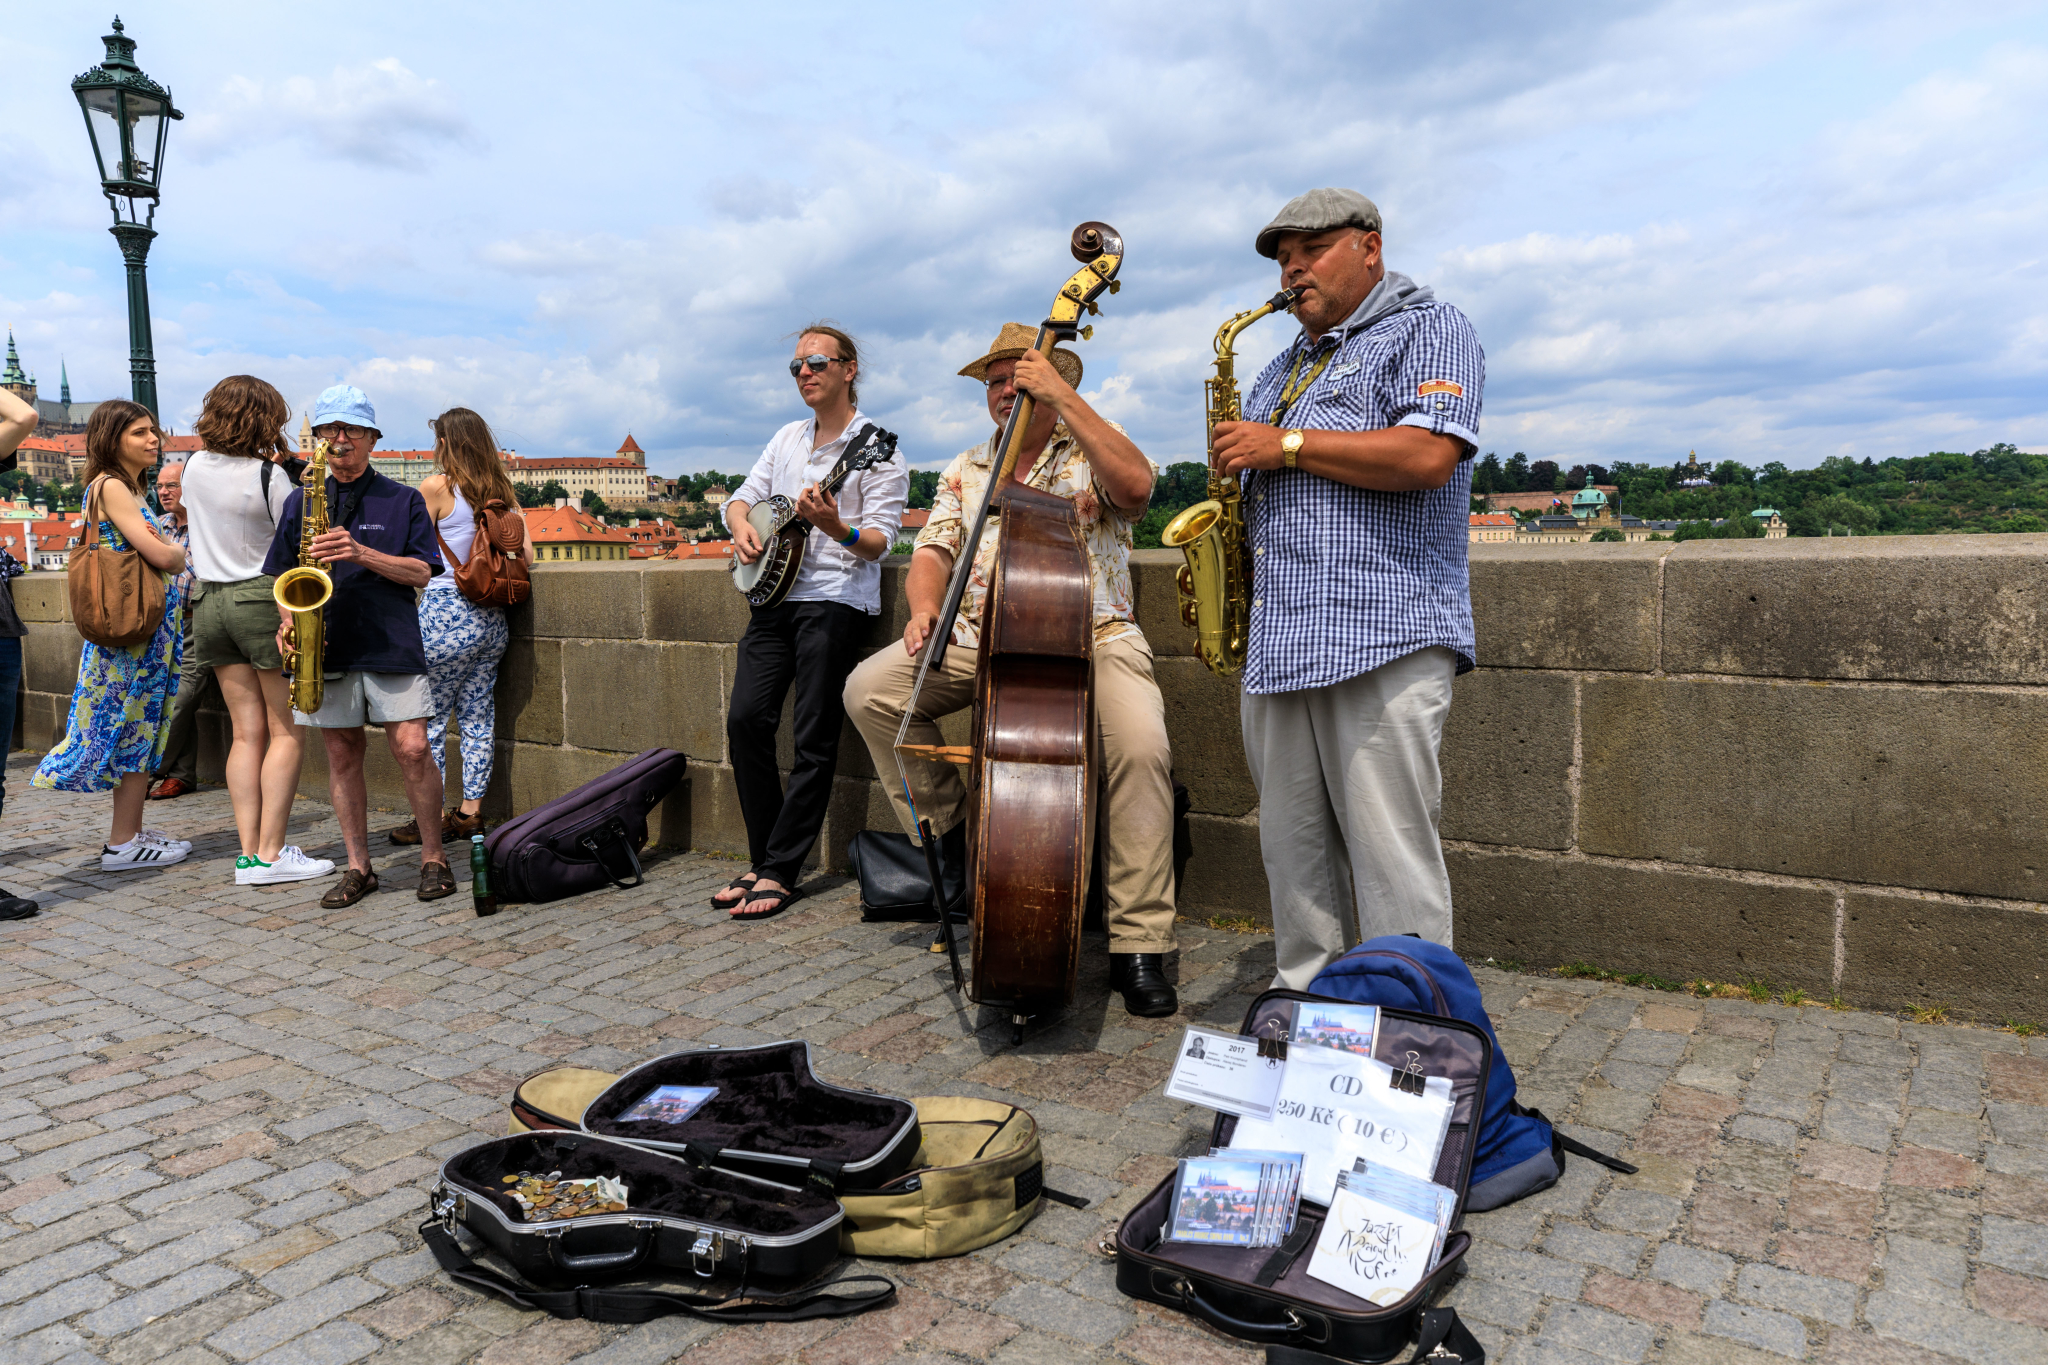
1319, 211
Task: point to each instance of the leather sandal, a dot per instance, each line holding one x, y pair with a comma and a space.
740, 883
407, 833
352, 887
782, 900
436, 881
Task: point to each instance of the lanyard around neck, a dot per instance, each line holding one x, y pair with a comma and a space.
1298, 383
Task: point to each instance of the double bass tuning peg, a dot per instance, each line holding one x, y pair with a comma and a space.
1088, 333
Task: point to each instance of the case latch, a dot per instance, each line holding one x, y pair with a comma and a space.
707, 1250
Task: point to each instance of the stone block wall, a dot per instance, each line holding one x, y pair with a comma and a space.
1817, 764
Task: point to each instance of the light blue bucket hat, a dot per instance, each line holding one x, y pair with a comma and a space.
347, 404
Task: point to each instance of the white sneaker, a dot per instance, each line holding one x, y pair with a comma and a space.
292, 865
163, 840
139, 853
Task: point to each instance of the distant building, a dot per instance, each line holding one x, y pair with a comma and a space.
1693, 474
564, 532
622, 479
1536, 502
403, 466
1773, 524
59, 418
1487, 526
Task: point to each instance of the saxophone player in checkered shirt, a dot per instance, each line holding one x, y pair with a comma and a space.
1355, 458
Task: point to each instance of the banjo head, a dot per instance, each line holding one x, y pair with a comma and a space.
764, 516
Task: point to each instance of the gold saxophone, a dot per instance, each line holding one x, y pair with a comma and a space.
1216, 582
303, 591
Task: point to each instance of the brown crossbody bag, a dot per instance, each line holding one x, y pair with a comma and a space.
117, 599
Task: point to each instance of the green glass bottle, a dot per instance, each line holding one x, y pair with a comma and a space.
480, 878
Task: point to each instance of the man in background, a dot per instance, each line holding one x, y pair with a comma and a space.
178, 771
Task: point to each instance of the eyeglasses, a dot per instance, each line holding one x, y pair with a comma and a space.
1008, 381
814, 363
329, 432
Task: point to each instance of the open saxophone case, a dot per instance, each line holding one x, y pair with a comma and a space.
1264, 1293
717, 1167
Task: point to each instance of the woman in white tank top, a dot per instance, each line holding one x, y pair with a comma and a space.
463, 640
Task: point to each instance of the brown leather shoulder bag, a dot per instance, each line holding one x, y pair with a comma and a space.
495, 574
117, 599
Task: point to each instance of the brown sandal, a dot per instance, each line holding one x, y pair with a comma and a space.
352, 887
436, 881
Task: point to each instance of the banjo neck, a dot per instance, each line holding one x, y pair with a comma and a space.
834, 478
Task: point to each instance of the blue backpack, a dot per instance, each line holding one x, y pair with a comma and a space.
1518, 1152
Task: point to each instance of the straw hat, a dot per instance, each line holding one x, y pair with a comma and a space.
1014, 341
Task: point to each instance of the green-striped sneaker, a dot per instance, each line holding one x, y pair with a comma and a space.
246, 868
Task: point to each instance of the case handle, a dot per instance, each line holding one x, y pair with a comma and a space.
1294, 1325
602, 1260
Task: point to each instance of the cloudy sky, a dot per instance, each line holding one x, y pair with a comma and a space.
1779, 230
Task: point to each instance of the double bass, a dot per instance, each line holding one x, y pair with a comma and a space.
1031, 768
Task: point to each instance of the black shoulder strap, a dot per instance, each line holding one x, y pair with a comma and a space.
1564, 1144
599, 1304
264, 478
1445, 1340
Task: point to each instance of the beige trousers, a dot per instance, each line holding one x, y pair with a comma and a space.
1350, 797
1134, 809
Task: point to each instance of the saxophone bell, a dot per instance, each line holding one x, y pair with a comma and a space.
304, 591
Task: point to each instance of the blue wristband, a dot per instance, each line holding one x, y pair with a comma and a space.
852, 537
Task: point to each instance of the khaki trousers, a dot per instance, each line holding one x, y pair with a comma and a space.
1134, 809
1349, 799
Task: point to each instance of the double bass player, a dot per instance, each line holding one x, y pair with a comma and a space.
1071, 452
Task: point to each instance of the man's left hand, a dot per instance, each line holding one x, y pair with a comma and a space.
337, 546
1248, 445
821, 510
1041, 379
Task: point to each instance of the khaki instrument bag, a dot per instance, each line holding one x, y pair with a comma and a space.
978, 1177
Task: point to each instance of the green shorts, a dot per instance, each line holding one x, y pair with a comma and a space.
236, 623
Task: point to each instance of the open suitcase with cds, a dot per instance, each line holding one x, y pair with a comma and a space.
1264, 1294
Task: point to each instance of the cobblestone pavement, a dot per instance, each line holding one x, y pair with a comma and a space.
220, 1108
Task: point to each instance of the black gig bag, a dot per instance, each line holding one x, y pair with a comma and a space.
702, 1227
585, 839
772, 1119
1264, 1294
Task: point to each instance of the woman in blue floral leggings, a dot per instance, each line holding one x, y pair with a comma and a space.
464, 641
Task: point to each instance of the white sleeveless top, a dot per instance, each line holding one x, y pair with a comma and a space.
458, 528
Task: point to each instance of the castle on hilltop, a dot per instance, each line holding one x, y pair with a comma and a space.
61, 418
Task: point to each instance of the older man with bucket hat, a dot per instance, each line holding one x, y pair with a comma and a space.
380, 549
1072, 452
1355, 455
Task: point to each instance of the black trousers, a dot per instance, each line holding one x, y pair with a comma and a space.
814, 644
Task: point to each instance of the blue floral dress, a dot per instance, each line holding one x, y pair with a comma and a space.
118, 723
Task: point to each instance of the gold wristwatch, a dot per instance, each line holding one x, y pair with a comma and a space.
1290, 446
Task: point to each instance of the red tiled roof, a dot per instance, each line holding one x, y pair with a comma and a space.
553, 525
521, 462
703, 549
631, 447
1492, 519
914, 518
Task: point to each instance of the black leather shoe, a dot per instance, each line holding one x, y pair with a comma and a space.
1142, 979
16, 907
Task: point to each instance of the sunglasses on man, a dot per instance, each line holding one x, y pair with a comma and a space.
814, 363
329, 433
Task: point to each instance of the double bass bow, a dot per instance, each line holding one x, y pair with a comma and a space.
1031, 769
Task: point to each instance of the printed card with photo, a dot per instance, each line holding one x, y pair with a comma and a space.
667, 1104
1225, 1071
1215, 1200
1348, 1028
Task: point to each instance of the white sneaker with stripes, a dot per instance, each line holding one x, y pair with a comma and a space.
139, 852
163, 839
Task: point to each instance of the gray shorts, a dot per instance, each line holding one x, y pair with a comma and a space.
378, 698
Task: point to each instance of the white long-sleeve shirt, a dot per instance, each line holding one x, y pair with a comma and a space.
869, 500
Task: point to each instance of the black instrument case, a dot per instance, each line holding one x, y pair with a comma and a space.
772, 1118
1265, 1294
679, 1218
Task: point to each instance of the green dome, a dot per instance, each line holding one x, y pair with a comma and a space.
1588, 499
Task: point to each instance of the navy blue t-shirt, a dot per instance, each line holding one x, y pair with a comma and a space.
373, 624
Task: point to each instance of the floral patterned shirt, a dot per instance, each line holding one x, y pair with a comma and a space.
1061, 469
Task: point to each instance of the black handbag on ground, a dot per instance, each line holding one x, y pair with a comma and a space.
680, 1222
1265, 1294
894, 884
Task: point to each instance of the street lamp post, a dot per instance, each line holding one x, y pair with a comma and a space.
127, 116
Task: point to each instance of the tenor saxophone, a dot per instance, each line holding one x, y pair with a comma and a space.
303, 591
1216, 582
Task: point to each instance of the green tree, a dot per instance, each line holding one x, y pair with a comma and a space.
1842, 514
1542, 477
924, 486
1514, 475
1608, 534
594, 505
1486, 475
1181, 485
551, 492
528, 494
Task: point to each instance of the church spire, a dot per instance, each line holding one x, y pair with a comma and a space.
64, 389
12, 374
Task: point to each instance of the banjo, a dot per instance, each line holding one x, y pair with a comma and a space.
785, 536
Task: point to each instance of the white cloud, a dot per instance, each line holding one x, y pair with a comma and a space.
380, 114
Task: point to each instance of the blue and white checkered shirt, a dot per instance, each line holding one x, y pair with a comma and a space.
1347, 579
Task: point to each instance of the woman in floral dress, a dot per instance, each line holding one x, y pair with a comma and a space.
120, 708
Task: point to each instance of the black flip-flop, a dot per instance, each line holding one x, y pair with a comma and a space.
745, 883
781, 898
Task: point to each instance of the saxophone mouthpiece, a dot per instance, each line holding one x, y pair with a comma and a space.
1284, 301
